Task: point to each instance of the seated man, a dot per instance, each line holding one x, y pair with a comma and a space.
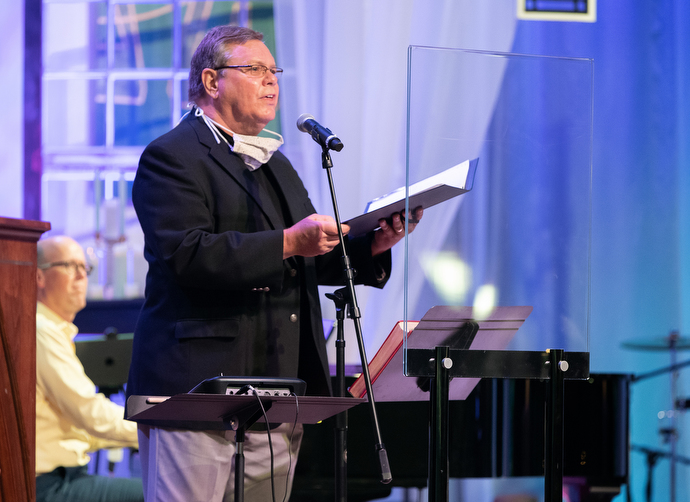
71, 418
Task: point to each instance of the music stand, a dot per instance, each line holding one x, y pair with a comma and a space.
441, 364
105, 359
232, 412
447, 326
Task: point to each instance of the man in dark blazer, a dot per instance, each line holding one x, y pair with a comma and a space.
235, 251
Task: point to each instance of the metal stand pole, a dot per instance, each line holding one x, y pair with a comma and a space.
551, 365
340, 428
553, 441
673, 434
438, 427
239, 465
355, 315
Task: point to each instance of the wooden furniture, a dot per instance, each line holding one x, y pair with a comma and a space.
18, 357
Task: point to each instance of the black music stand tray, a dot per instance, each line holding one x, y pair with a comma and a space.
233, 412
105, 359
443, 363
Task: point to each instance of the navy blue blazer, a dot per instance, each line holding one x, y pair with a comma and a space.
220, 299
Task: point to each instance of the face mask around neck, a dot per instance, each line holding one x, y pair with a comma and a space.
256, 150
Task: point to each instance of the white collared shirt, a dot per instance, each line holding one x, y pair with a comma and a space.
71, 418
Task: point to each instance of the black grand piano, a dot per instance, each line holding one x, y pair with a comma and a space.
498, 431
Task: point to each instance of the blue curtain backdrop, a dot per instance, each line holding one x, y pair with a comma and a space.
640, 218
640, 212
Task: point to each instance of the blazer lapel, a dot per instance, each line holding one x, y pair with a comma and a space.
236, 169
285, 179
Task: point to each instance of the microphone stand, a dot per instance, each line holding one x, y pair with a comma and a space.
341, 419
350, 298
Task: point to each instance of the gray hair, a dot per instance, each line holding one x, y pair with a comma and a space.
212, 53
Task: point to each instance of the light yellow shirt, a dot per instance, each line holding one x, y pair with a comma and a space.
71, 418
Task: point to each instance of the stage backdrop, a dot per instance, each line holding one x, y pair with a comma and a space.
348, 69
345, 63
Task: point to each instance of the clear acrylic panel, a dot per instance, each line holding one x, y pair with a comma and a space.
521, 235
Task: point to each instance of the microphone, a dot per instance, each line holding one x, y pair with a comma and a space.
322, 135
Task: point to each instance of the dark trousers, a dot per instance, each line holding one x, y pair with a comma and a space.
74, 484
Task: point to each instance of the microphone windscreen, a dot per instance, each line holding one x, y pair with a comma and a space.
301, 120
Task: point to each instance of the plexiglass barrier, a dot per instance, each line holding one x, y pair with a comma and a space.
519, 235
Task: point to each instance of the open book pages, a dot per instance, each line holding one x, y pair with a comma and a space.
456, 176
426, 193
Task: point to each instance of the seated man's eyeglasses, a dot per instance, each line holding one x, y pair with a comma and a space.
70, 266
253, 70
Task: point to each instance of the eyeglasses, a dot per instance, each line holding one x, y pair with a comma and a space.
254, 70
71, 266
